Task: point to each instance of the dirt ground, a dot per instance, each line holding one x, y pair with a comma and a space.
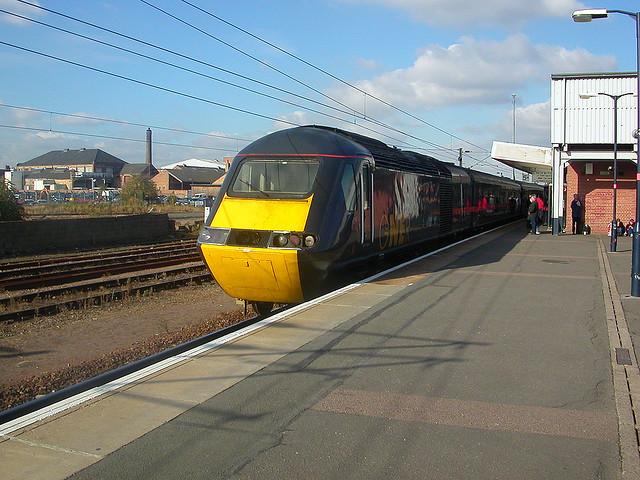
47, 353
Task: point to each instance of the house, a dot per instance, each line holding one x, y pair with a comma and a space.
49, 179
93, 165
184, 180
130, 170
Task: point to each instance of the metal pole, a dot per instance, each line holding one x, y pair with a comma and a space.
614, 222
635, 261
513, 95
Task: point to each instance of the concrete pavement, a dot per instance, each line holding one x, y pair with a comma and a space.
490, 360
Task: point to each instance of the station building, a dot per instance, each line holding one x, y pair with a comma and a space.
581, 157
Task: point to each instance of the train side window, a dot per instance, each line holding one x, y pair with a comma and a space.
366, 184
349, 188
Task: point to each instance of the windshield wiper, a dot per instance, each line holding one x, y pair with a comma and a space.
249, 184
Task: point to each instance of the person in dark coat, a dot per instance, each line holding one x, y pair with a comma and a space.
533, 214
576, 214
629, 228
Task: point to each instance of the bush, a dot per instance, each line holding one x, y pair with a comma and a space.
9, 208
138, 190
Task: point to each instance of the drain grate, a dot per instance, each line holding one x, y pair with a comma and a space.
549, 260
623, 357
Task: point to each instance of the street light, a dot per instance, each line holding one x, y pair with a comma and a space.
587, 16
513, 95
614, 223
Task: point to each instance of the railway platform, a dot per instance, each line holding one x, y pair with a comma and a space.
505, 356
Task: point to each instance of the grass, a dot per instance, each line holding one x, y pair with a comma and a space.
99, 209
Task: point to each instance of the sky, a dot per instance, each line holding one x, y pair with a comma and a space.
431, 76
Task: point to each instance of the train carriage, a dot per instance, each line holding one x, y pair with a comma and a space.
302, 206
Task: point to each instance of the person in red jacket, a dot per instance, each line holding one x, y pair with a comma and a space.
540, 203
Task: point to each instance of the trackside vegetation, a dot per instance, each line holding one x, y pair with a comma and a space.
9, 208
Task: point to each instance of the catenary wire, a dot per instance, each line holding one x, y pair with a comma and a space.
335, 77
123, 122
154, 59
166, 50
155, 142
369, 119
151, 85
244, 77
444, 149
400, 142
363, 117
242, 52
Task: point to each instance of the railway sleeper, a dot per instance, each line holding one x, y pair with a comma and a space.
101, 283
126, 291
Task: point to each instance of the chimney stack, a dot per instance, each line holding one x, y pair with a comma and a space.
148, 157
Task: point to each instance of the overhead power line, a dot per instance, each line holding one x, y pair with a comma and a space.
151, 85
335, 77
34, 129
445, 150
123, 122
368, 119
242, 52
268, 65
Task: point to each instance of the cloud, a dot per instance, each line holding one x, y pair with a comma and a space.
472, 72
21, 9
49, 135
533, 125
487, 12
367, 64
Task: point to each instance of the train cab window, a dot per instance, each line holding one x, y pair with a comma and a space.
275, 178
348, 183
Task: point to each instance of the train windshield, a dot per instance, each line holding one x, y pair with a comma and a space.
275, 178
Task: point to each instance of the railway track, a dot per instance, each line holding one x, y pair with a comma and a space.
52, 285
51, 261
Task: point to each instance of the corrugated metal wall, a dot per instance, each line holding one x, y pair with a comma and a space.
574, 120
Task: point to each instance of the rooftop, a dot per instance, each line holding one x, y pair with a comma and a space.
84, 156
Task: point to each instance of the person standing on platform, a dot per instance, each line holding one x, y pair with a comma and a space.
540, 203
533, 214
576, 214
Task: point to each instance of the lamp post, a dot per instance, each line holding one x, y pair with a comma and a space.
587, 16
614, 222
513, 95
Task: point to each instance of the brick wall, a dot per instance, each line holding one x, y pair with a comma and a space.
597, 193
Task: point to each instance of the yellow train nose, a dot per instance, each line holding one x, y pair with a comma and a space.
255, 274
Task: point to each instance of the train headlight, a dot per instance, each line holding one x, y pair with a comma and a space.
216, 236
280, 240
295, 240
309, 241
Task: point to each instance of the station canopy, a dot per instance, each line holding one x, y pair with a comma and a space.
532, 159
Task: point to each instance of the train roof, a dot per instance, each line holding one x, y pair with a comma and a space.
394, 158
532, 186
305, 141
488, 178
321, 140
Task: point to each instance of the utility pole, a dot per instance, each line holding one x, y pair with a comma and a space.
460, 152
513, 96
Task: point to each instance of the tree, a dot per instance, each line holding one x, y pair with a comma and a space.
139, 189
9, 208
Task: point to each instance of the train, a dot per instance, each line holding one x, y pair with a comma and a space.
301, 207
